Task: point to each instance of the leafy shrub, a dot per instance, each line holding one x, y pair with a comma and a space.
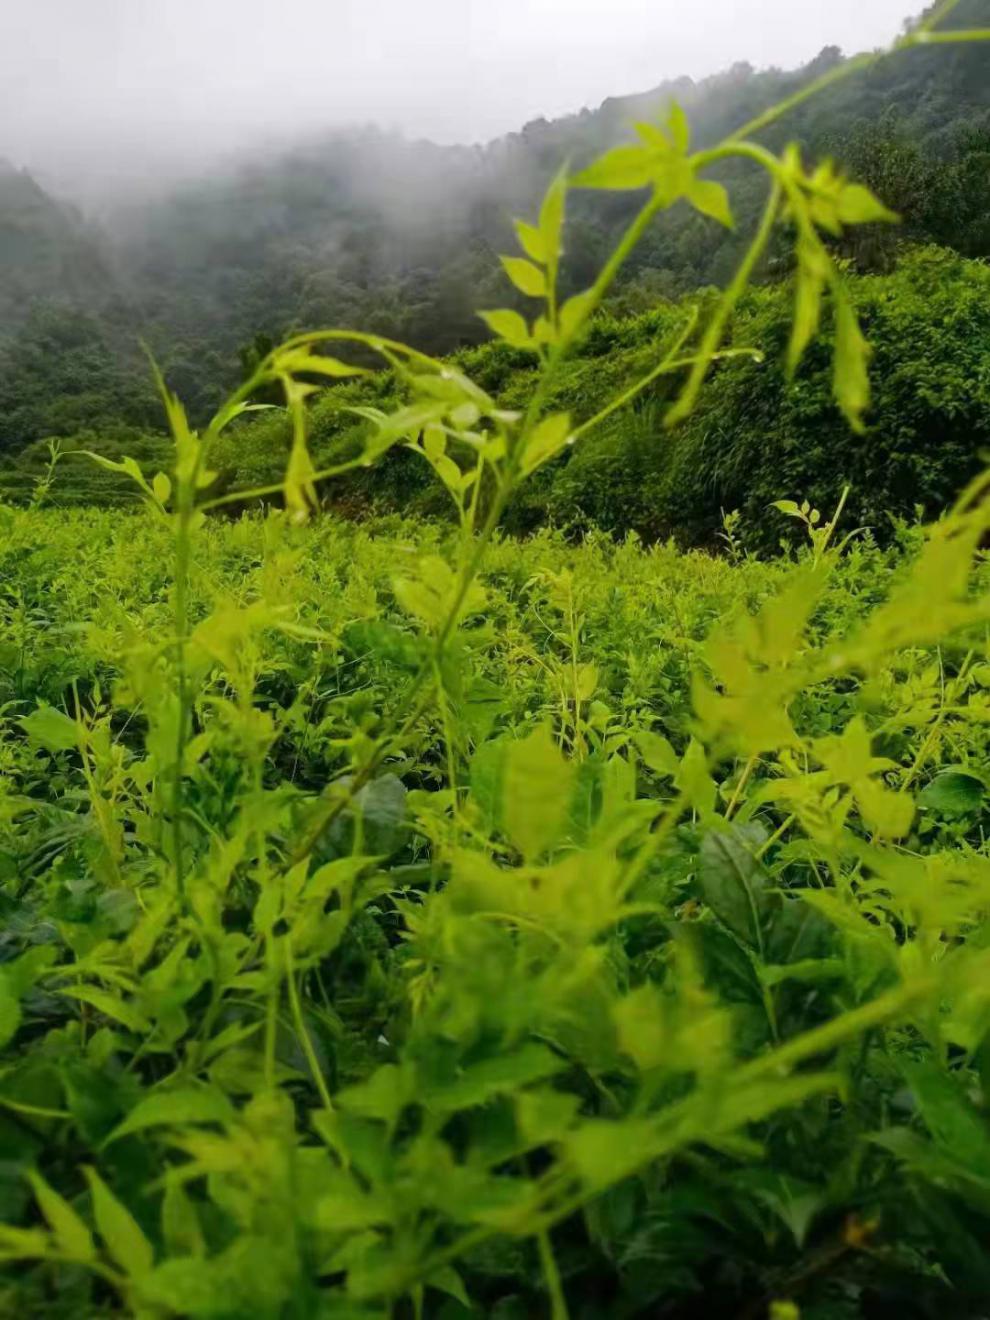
756, 436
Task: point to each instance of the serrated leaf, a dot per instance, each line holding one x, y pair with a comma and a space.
51, 729
527, 278
174, 1109
110, 1004
500, 1075
886, 814
536, 792
122, 1236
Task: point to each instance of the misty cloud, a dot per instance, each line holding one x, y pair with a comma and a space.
97, 93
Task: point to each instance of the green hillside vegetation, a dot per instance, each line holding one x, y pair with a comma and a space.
754, 437
401, 238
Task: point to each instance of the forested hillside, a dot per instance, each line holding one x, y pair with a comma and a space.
401, 238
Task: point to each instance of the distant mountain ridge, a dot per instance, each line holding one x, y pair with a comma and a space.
368, 229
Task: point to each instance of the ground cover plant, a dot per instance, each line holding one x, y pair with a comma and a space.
404, 920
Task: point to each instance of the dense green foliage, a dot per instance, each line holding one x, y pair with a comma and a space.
406, 920
300, 648
754, 437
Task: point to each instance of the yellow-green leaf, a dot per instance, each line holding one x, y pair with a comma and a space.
162, 488
680, 129
531, 241
852, 355
810, 283
536, 793
508, 325
574, 312
71, 1234
621, 168
527, 278
858, 206
120, 1231
711, 199
547, 440
552, 217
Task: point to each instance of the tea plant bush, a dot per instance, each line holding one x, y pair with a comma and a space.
405, 921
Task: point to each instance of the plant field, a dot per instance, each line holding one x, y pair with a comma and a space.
577, 997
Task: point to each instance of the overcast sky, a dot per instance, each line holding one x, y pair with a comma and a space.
106, 87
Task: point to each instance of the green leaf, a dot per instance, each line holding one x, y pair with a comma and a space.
680, 129
10, 1011
790, 507
858, 206
510, 326
852, 356
711, 199
118, 1228
957, 1127
733, 883
952, 794
546, 440
552, 217
71, 1234
536, 793
621, 168
300, 361
657, 753
886, 814
384, 1095
812, 273
500, 1075
529, 279
187, 1286
574, 312
23, 1243
531, 241
162, 487
50, 729
181, 1229
447, 1280
110, 1004
127, 466
175, 1108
